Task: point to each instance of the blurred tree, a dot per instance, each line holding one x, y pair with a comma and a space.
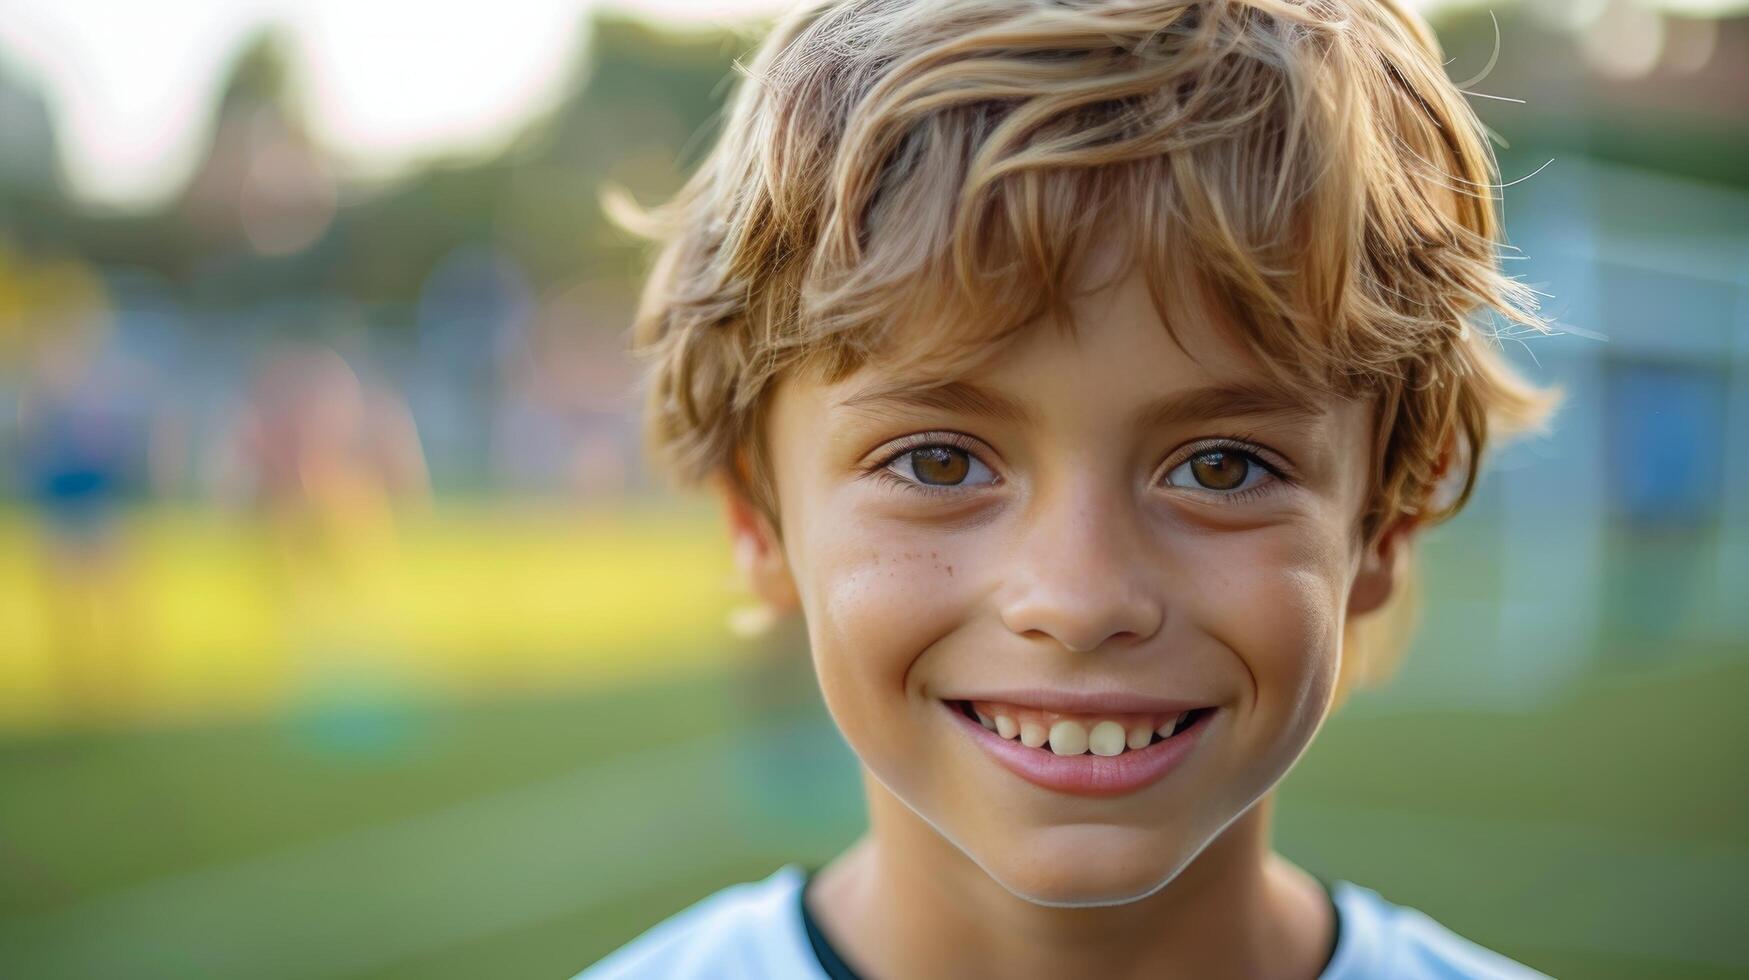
264, 189
639, 100
33, 205
1680, 105
642, 107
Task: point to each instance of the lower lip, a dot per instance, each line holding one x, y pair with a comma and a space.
1086, 774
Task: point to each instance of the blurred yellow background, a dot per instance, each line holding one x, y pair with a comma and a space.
200, 618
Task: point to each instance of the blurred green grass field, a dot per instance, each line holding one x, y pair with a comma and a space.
1602, 837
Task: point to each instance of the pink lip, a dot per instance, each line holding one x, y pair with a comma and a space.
1085, 775
1082, 703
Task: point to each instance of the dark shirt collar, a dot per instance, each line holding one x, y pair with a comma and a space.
836, 969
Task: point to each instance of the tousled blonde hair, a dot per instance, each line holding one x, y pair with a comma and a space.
1304, 167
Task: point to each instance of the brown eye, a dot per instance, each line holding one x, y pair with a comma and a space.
1218, 470
1223, 471
940, 465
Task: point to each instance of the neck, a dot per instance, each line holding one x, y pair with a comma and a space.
905, 902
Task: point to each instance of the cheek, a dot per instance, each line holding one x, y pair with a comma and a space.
876, 598
1274, 597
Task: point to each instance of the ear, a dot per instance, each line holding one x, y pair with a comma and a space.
759, 554
1380, 564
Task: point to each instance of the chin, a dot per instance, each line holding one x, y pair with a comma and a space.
1087, 867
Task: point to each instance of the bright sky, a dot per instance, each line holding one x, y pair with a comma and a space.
131, 82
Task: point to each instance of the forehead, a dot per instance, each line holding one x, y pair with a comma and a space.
1111, 342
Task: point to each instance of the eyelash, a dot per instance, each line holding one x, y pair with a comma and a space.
883, 470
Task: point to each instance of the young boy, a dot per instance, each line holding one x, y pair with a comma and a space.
1081, 372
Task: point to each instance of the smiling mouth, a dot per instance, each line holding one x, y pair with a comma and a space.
1054, 734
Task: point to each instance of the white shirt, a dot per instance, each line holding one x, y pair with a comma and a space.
755, 931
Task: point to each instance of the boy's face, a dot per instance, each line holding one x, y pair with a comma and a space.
1205, 554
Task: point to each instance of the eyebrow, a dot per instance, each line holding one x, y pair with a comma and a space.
1230, 400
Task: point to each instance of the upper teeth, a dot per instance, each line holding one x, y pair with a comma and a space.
1074, 736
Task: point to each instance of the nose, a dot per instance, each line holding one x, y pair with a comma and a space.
1081, 572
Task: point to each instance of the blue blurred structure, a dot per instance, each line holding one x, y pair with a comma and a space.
1624, 533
